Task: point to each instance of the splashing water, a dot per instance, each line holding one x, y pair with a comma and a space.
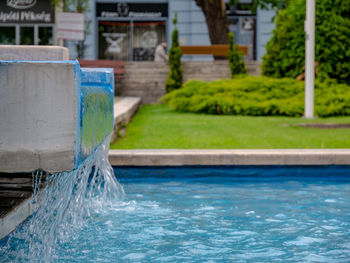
66, 204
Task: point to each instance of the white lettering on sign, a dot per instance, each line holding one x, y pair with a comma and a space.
31, 16
131, 14
109, 14
21, 4
11, 16
145, 14
25, 16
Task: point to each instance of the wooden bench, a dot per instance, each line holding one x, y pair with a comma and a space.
215, 50
117, 65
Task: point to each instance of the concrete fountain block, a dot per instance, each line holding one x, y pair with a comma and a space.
11, 52
52, 114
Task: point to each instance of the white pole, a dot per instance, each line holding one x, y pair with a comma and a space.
309, 58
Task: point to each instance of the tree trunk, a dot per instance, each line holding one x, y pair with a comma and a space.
216, 18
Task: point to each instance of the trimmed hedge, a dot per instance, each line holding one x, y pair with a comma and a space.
259, 96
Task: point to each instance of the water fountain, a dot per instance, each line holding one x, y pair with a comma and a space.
56, 121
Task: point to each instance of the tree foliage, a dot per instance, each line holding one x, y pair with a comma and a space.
285, 52
235, 59
79, 6
175, 75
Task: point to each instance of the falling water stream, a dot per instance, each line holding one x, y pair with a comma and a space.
65, 206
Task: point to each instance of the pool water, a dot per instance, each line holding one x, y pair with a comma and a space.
219, 214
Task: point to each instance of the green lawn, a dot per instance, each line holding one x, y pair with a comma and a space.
159, 127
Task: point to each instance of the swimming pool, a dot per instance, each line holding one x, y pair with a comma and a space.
219, 214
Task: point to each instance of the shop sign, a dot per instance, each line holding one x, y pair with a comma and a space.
131, 10
70, 26
26, 12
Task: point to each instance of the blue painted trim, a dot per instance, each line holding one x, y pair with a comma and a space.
98, 76
77, 74
97, 102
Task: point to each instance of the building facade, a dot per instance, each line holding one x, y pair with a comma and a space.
131, 29
26, 22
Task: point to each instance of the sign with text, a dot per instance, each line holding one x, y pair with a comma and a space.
26, 12
132, 10
70, 26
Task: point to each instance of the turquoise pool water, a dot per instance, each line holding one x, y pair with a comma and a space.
218, 214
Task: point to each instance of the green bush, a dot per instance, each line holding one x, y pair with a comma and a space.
285, 51
235, 59
175, 75
258, 96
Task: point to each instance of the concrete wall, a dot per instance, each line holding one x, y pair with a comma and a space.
50, 114
147, 79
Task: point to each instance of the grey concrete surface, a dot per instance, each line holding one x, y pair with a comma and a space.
38, 124
15, 52
229, 157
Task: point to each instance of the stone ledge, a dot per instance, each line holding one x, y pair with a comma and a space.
15, 52
229, 157
124, 110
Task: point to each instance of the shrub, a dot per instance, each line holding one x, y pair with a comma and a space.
285, 52
235, 59
175, 75
257, 96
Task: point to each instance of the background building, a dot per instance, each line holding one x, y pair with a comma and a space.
131, 29
28, 22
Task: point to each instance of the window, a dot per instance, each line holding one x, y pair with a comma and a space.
147, 35
45, 36
27, 35
130, 40
114, 40
8, 35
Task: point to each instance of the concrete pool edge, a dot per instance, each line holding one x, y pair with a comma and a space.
175, 157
